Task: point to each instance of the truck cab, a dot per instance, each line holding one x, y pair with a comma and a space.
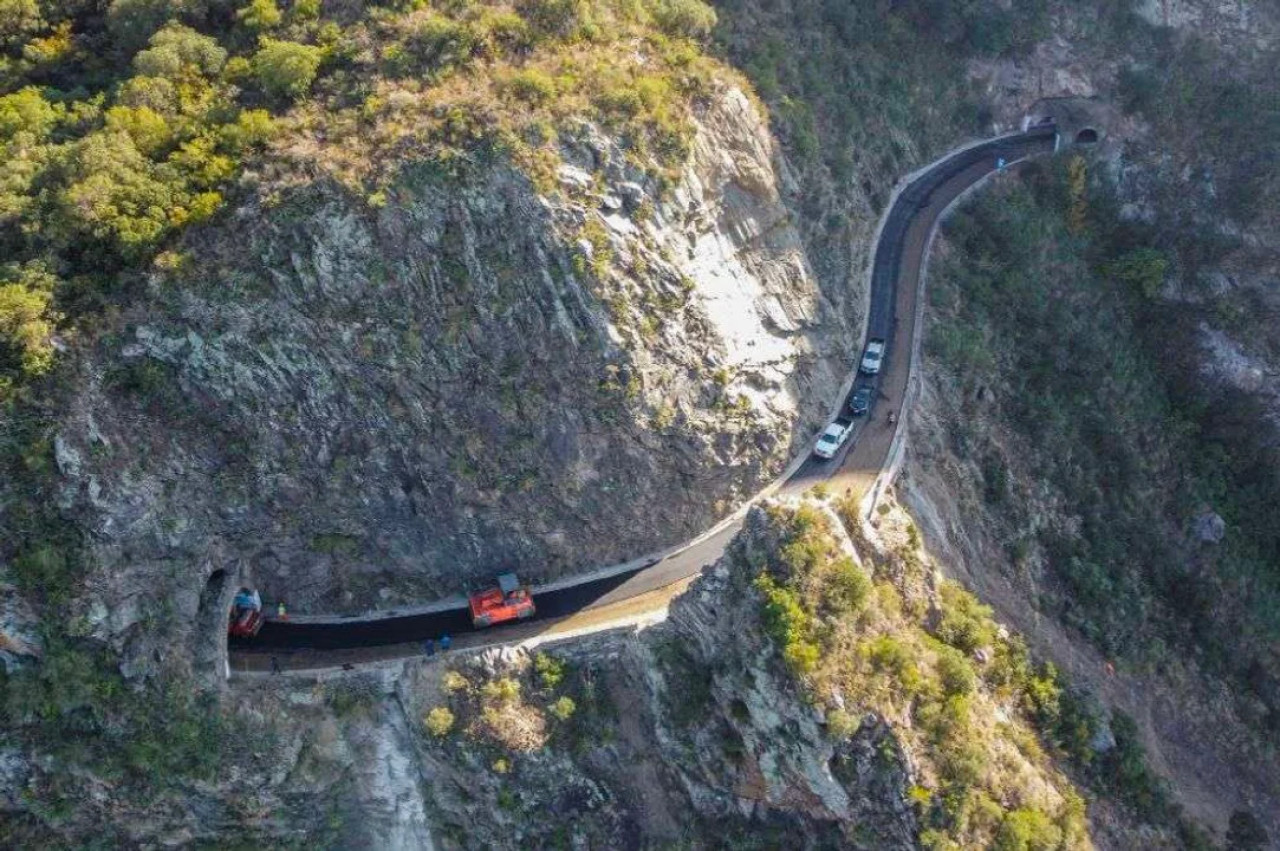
509, 601
245, 618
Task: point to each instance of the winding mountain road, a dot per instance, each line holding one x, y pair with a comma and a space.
865, 465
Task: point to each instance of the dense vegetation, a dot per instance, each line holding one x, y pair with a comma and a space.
123, 123
1221, 115
1052, 301
942, 670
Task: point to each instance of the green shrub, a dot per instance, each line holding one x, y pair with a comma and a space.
1246, 833
117, 196
454, 682
1027, 829
1124, 769
252, 128
18, 19
847, 587
506, 30
788, 624
956, 674
260, 15
177, 50
348, 700
439, 721
618, 102
563, 708
27, 112
47, 572
966, 624
690, 18
560, 18
533, 86
842, 725
801, 655
504, 690
304, 10
148, 129
891, 656
286, 69
440, 42
26, 320
1141, 270
550, 670
131, 22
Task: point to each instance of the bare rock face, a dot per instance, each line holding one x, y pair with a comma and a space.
688, 732
351, 406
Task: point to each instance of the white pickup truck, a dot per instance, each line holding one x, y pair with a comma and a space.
831, 440
872, 357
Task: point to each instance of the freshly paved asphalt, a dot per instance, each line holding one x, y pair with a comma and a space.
900, 255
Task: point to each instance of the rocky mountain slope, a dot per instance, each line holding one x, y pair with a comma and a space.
703, 730
541, 358
469, 377
1139, 541
358, 303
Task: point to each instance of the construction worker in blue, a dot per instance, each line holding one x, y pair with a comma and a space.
445, 642
999, 163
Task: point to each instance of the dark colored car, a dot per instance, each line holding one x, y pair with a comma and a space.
861, 401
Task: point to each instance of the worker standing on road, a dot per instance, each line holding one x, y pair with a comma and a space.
275, 665
429, 647
281, 614
999, 163
445, 642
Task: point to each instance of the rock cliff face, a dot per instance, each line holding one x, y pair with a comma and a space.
355, 405
695, 731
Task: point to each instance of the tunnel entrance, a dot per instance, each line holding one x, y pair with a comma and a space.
1087, 136
210, 636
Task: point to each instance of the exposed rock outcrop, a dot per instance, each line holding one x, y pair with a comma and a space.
689, 732
354, 406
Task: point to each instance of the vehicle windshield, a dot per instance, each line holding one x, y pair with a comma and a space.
828, 438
